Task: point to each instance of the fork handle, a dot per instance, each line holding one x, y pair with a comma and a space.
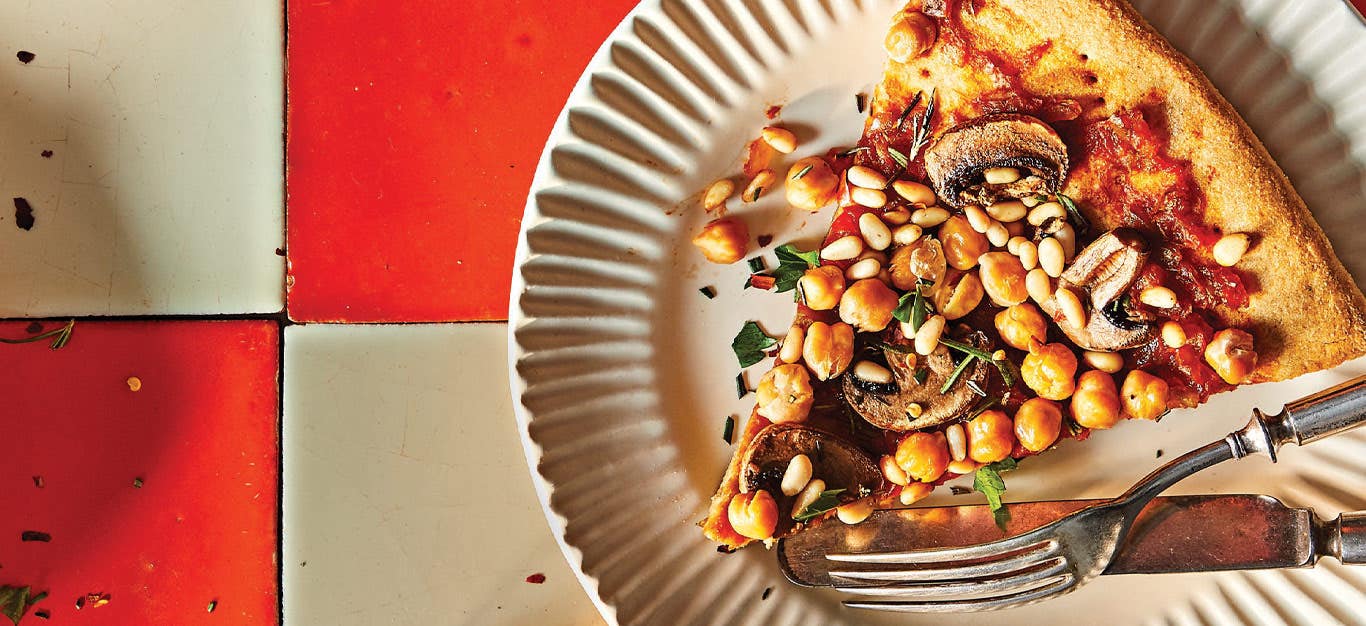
1344, 538
1308, 419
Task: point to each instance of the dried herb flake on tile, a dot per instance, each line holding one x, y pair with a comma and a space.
25, 56
536, 579
35, 535
23, 214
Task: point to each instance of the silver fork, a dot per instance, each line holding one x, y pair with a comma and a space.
1058, 557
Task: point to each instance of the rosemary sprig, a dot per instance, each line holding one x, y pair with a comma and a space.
957, 373
1006, 368
897, 156
1083, 226
905, 113
801, 173
62, 336
922, 128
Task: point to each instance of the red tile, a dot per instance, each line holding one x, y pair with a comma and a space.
201, 434
414, 131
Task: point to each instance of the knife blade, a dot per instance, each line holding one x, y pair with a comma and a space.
1172, 534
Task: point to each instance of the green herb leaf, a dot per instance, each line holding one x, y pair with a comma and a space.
987, 479
756, 265
749, 344
1007, 369
1082, 224
902, 312
898, 349
922, 127
792, 263
16, 601
61, 336
741, 389
957, 373
905, 113
921, 375
900, 158
982, 407
851, 152
729, 432
828, 501
801, 173
919, 308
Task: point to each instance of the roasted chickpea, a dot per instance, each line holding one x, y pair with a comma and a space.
1049, 369
910, 36
958, 295
785, 394
822, 287
1096, 401
923, 456
1038, 423
921, 259
962, 245
1003, 278
828, 349
723, 241
814, 189
990, 437
754, 515
1230, 353
1021, 323
868, 304
1144, 396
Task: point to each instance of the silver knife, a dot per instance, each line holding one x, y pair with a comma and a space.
1173, 534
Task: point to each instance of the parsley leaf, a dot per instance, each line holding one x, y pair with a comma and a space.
749, 344
988, 480
828, 501
792, 263
15, 602
902, 312
1067, 203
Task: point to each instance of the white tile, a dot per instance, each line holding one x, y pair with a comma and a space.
405, 488
164, 193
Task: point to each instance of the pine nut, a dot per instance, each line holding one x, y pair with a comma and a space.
1230, 249
717, 194
915, 410
797, 475
874, 231
1158, 297
872, 372
871, 198
1173, 335
1040, 214
997, 234
865, 268
1108, 362
808, 496
1008, 211
762, 182
866, 177
791, 351
915, 193
843, 249
1039, 285
1000, 175
977, 218
1013, 246
893, 472
855, 512
915, 492
929, 217
896, 217
927, 338
1071, 307
1051, 256
907, 235
781, 139
958, 441
963, 467
1029, 255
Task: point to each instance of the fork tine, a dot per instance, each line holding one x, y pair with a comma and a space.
980, 587
995, 567
1058, 585
939, 555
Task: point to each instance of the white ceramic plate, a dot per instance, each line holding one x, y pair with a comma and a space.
623, 372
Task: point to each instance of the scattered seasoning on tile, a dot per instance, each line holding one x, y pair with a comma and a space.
1159, 454
728, 433
764, 240
35, 535
134, 384
34, 328
756, 265
303, 564
741, 389
213, 604
708, 291
47, 154
38, 482
767, 590
536, 578
860, 101
25, 57
42, 614
774, 111
959, 491
137, 483
23, 214
16, 601
279, 252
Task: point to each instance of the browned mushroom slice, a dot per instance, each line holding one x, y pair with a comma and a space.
957, 161
835, 460
1106, 269
903, 404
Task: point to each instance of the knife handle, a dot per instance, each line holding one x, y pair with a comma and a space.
1323, 414
1346, 538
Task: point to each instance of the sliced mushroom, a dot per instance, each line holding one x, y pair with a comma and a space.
889, 406
835, 460
958, 159
1106, 269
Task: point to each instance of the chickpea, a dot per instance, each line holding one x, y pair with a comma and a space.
1096, 401
915, 492
958, 295
785, 393
910, 36
1230, 353
1003, 278
923, 456
723, 241
962, 245
923, 258
828, 349
989, 437
753, 515
1144, 395
1020, 323
814, 189
1038, 424
868, 304
822, 287
1048, 370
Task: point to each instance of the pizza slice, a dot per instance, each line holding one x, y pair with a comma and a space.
1052, 222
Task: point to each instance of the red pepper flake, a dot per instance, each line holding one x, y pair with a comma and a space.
774, 111
38, 482
92, 600
23, 214
47, 154
25, 57
536, 579
35, 535
761, 281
